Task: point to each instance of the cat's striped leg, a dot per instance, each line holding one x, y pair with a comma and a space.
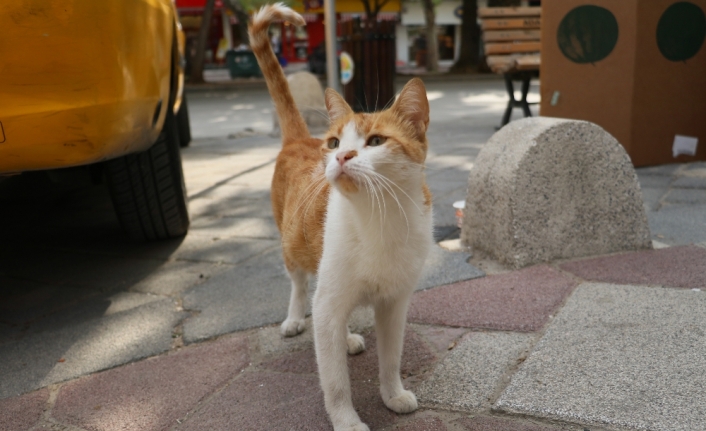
390, 320
298, 301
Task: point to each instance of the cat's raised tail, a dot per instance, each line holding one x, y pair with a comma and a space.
290, 120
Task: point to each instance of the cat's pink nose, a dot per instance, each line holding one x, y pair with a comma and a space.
344, 157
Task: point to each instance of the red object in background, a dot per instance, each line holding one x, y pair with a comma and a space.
196, 4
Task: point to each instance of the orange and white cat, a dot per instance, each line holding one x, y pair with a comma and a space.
354, 208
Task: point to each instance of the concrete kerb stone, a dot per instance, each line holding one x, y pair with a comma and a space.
544, 189
309, 98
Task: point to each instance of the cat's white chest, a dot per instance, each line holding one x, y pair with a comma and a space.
380, 252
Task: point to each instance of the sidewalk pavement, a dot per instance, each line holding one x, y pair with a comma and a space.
100, 334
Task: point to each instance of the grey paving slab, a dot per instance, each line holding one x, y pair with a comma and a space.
652, 180
250, 295
651, 197
686, 196
618, 356
446, 267
663, 170
73, 350
174, 277
678, 224
247, 227
473, 372
685, 182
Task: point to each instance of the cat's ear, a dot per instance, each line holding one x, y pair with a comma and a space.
336, 105
413, 106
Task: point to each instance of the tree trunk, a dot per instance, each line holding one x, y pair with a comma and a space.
237, 8
198, 60
432, 41
468, 57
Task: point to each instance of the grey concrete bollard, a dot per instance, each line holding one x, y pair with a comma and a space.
309, 98
544, 189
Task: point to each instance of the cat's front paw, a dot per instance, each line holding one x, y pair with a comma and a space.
356, 344
292, 327
405, 402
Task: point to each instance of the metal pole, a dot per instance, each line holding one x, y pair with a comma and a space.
331, 54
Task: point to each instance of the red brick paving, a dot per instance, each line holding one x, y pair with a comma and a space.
517, 301
259, 401
154, 393
416, 357
683, 266
21, 413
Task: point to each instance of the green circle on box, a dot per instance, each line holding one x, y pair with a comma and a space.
587, 34
681, 31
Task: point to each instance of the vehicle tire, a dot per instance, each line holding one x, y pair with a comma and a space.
183, 123
148, 190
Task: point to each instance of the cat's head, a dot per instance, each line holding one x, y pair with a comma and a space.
361, 148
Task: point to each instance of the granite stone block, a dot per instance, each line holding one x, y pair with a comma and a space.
470, 375
544, 189
626, 357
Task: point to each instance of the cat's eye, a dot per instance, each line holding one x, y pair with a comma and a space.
374, 141
333, 143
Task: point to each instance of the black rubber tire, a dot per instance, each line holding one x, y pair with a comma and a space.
148, 191
183, 123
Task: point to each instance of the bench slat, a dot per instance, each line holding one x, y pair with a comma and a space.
488, 12
507, 63
500, 36
508, 24
528, 62
510, 48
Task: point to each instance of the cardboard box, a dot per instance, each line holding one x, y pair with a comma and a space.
641, 74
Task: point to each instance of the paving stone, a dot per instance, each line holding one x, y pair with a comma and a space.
686, 196
473, 372
653, 181
652, 198
154, 393
253, 294
445, 267
66, 352
423, 424
222, 250
282, 402
686, 182
416, 358
21, 413
663, 170
678, 224
439, 337
24, 301
618, 356
683, 266
519, 301
173, 278
247, 227
489, 423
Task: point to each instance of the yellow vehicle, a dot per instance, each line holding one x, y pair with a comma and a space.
100, 83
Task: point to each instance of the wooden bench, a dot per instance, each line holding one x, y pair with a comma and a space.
511, 41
